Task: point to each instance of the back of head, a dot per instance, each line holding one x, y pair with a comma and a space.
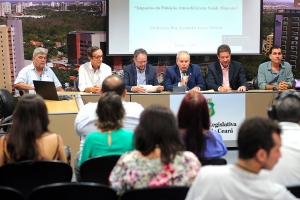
30, 121
39, 50
223, 48
254, 134
288, 107
110, 112
113, 83
158, 128
193, 116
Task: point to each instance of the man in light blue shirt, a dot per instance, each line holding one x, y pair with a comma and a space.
274, 74
37, 70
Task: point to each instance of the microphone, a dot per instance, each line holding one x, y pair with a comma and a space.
184, 73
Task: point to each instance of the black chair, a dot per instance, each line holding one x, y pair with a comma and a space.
255, 83
76, 83
213, 161
7, 106
98, 169
73, 191
27, 175
7, 193
159, 193
295, 190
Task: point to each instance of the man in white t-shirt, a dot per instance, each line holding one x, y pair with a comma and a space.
287, 170
92, 74
259, 148
85, 119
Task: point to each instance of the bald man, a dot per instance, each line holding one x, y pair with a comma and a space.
184, 74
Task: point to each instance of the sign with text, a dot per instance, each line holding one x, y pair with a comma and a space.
227, 111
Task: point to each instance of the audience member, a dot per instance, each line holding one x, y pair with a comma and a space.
140, 73
111, 138
85, 119
287, 170
29, 137
37, 70
195, 131
159, 159
275, 74
184, 74
92, 74
226, 75
259, 148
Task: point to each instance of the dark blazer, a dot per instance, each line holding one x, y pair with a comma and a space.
130, 77
173, 77
237, 76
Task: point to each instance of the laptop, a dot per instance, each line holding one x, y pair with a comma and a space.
46, 89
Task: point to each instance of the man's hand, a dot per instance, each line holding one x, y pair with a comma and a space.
242, 89
138, 89
224, 89
96, 89
196, 89
282, 85
184, 80
160, 88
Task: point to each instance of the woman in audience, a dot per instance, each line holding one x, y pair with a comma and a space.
111, 139
159, 158
194, 124
29, 137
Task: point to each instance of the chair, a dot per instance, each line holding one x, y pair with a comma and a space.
76, 83
7, 106
73, 191
213, 161
27, 175
7, 193
159, 193
98, 169
295, 190
255, 83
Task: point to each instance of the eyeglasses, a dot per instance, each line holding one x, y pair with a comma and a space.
98, 57
141, 62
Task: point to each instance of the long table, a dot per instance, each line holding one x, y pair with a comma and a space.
62, 113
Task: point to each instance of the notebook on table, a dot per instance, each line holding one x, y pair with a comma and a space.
179, 89
46, 89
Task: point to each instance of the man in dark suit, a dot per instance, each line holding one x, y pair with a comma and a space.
184, 74
226, 75
140, 73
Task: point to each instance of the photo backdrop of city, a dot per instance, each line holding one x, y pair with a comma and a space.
68, 28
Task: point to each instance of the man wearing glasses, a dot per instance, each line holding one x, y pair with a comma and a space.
93, 73
37, 70
140, 73
184, 74
226, 75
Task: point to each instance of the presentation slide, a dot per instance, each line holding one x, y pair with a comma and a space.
168, 26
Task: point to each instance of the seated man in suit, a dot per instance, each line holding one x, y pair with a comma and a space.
140, 73
226, 75
274, 74
184, 74
259, 148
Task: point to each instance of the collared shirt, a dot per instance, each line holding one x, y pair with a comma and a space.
85, 119
141, 77
88, 77
29, 73
225, 72
267, 76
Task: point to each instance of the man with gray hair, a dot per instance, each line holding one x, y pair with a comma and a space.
37, 70
183, 73
140, 73
92, 74
287, 112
